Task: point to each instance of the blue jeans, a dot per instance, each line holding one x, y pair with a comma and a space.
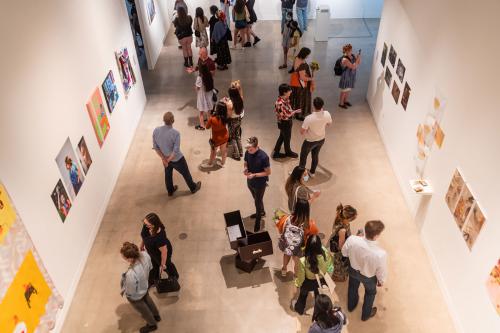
283, 16
302, 18
181, 167
370, 284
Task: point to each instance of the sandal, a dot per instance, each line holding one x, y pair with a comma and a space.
283, 272
347, 103
283, 66
342, 106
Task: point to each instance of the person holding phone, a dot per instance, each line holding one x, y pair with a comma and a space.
350, 63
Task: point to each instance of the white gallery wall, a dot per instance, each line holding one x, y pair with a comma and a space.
55, 54
448, 47
153, 32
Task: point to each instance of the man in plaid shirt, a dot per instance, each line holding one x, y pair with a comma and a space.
284, 114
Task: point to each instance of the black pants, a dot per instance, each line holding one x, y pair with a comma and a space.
307, 286
258, 196
170, 268
181, 167
285, 127
310, 147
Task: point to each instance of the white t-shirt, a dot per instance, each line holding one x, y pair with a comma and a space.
315, 124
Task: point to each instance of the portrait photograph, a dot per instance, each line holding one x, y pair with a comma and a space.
395, 92
392, 56
400, 70
71, 172
83, 155
384, 55
388, 77
406, 96
61, 200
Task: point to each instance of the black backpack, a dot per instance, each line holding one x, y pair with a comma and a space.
337, 69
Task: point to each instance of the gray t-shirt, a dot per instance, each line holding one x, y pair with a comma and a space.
303, 193
134, 282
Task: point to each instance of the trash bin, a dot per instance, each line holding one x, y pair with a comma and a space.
322, 23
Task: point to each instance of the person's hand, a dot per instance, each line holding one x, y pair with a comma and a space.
190, 70
316, 193
297, 111
251, 175
245, 172
165, 162
142, 248
162, 268
379, 284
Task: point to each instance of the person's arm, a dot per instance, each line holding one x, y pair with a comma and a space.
245, 168
346, 247
381, 271
265, 173
163, 262
342, 233
208, 125
141, 245
305, 127
303, 76
301, 274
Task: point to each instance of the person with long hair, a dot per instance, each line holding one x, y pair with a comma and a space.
349, 63
184, 33
240, 17
316, 261
235, 111
219, 137
326, 318
204, 88
296, 189
211, 23
200, 28
301, 81
134, 285
158, 246
288, 37
341, 231
220, 37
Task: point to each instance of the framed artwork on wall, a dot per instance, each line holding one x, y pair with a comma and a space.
71, 172
7, 214
395, 92
125, 69
456, 185
388, 77
61, 200
83, 155
406, 96
493, 287
151, 10
384, 55
400, 70
98, 117
392, 56
110, 91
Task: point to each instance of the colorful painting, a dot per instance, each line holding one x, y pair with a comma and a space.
71, 172
493, 287
98, 117
384, 55
25, 300
392, 56
388, 77
7, 214
61, 200
125, 69
456, 185
110, 91
151, 10
400, 70
463, 207
473, 226
395, 92
439, 136
83, 155
406, 96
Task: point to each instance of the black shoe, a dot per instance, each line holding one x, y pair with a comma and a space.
237, 158
190, 61
157, 318
199, 128
148, 328
247, 44
186, 62
278, 155
179, 47
255, 229
342, 106
175, 189
197, 188
254, 215
292, 154
373, 313
347, 103
256, 40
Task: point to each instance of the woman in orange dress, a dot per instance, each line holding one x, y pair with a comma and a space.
220, 135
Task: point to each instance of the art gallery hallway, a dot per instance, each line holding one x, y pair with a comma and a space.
215, 296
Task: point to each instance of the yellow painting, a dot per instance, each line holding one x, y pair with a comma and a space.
25, 300
7, 214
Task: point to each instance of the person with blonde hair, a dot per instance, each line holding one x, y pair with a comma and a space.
341, 231
349, 65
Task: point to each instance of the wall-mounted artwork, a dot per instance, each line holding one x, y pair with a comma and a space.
395, 92
71, 172
7, 214
456, 185
61, 200
97, 114
400, 70
473, 225
388, 77
463, 207
110, 91
384, 55
151, 10
406, 96
493, 287
29, 301
83, 155
125, 69
392, 56
439, 136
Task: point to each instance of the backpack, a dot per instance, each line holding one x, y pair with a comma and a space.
291, 239
337, 69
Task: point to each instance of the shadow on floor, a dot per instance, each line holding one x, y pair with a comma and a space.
236, 278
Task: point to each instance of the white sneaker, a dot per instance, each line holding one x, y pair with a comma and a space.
206, 165
219, 163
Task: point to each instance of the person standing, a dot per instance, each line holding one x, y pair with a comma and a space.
340, 232
224, 7
235, 113
313, 128
348, 78
326, 318
296, 189
286, 7
184, 34
284, 114
257, 170
240, 17
302, 82
219, 136
134, 285
289, 38
200, 28
220, 37
301, 8
368, 265
167, 144
213, 20
204, 94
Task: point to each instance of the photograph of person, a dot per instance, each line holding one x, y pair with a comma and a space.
83, 155
400, 70
395, 92
392, 56
384, 55
388, 77
72, 175
61, 200
406, 96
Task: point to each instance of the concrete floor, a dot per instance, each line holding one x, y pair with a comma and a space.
215, 296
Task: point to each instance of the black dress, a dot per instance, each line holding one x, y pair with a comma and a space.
211, 23
153, 243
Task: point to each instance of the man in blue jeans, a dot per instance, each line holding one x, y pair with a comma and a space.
301, 8
368, 265
286, 7
167, 144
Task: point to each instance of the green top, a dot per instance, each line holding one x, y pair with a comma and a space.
324, 265
239, 16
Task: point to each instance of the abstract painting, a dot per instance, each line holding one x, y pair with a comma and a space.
61, 200
463, 207
400, 70
98, 117
151, 10
84, 155
384, 55
388, 77
493, 287
71, 172
7, 214
110, 91
456, 185
473, 226
125, 69
406, 96
395, 92
392, 56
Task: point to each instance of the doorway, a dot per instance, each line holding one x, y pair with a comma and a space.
136, 33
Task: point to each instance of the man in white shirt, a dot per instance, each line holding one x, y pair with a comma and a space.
367, 266
313, 128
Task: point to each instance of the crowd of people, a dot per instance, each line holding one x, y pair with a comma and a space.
356, 258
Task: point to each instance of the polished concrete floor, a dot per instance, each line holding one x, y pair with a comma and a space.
215, 296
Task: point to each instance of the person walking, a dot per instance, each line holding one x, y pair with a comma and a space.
348, 78
235, 112
257, 170
341, 231
154, 240
167, 144
313, 128
368, 265
284, 114
221, 37
219, 136
204, 92
301, 81
286, 7
240, 17
296, 189
134, 285
301, 9
224, 7
200, 28
326, 318
316, 261
251, 22
184, 33
289, 38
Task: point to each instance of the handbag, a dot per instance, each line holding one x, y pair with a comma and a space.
215, 91
329, 288
229, 34
167, 285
